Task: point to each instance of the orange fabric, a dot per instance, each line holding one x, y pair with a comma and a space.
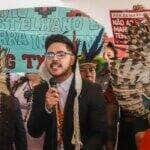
60, 125
145, 143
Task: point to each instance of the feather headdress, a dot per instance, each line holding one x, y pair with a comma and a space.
92, 56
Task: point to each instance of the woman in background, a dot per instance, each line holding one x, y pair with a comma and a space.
12, 131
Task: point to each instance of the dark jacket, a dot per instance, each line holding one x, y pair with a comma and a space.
12, 131
92, 115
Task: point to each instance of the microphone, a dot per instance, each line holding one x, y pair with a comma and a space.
59, 118
52, 84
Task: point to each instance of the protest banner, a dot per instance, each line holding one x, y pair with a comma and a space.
121, 19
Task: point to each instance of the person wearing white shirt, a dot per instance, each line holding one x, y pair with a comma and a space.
83, 113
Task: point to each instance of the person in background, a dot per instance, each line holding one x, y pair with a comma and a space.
130, 126
69, 110
12, 131
88, 71
23, 84
110, 53
95, 70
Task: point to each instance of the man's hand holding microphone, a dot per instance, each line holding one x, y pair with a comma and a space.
52, 96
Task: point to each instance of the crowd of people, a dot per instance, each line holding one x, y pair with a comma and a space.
68, 105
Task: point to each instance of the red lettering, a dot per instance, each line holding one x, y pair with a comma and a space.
29, 58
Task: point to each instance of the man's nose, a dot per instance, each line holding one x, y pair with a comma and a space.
55, 57
88, 72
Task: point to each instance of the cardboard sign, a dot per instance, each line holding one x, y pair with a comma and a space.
121, 19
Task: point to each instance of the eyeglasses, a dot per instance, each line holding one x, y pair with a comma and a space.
59, 54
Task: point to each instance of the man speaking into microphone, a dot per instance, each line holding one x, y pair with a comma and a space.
69, 110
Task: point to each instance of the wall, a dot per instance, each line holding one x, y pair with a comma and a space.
97, 9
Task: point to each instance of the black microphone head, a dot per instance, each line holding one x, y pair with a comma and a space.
52, 82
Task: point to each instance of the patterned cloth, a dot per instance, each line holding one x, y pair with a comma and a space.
60, 126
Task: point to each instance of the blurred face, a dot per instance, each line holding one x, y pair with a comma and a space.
110, 54
88, 72
34, 78
59, 60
